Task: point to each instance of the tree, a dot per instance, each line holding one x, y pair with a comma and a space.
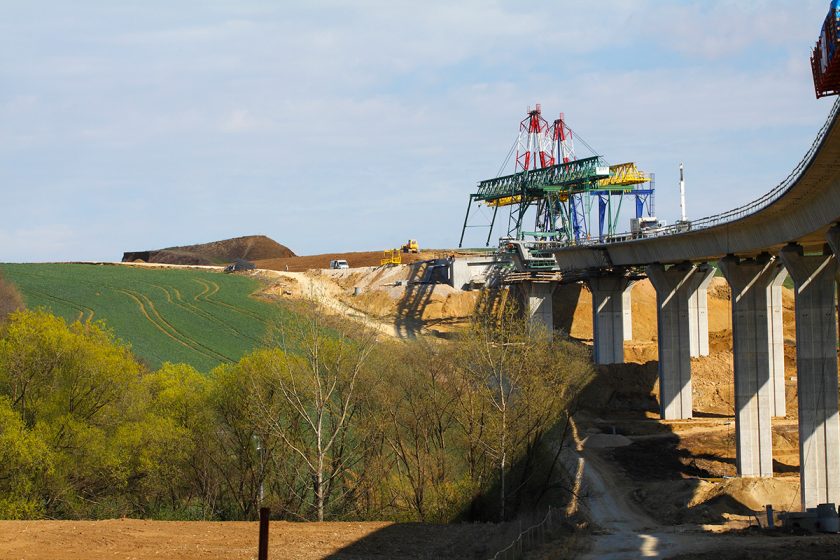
25, 461
237, 434
167, 448
515, 383
418, 407
308, 398
72, 387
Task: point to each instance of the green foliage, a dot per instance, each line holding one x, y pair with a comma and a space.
322, 425
71, 388
167, 315
25, 465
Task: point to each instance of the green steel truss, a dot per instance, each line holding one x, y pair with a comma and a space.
575, 176
562, 196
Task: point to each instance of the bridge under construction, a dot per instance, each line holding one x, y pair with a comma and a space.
792, 231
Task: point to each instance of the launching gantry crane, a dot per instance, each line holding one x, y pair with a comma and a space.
559, 191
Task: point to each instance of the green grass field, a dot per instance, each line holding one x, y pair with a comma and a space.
197, 317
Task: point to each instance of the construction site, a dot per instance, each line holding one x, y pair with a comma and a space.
704, 425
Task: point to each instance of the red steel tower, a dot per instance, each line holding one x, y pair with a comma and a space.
534, 143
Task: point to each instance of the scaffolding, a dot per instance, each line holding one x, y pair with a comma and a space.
559, 190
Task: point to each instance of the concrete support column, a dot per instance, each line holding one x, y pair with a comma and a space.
675, 288
627, 307
538, 302
816, 373
778, 406
698, 312
608, 318
752, 346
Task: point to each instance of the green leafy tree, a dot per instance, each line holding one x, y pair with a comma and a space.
72, 387
25, 466
515, 383
311, 402
418, 414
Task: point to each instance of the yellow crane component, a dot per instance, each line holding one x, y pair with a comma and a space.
624, 175
391, 256
621, 175
506, 201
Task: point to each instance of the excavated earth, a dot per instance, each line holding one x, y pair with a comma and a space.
679, 471
250, 247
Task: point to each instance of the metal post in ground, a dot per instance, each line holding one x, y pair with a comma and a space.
262, 550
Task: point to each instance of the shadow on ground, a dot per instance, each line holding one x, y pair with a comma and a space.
418, 293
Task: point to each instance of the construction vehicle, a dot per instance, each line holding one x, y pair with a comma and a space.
411, 247
339, 264
391, 257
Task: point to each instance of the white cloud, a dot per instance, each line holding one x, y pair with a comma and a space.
275, 118
241, 120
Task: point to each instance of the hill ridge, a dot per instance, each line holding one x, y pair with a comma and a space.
248, 247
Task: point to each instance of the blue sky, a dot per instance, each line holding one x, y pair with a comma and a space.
337, 126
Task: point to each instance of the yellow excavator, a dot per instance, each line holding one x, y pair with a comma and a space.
411, 247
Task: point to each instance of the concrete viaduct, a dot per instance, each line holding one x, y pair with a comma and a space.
792, 230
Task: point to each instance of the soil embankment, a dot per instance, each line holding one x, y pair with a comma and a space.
250, 247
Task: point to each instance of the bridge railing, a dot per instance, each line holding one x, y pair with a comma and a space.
742, 211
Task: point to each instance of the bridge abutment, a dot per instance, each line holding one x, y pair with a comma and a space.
754, 342
816, 372
610, 316
680, 319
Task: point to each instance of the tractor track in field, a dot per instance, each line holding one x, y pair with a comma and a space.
162, 324
165, 327
207, 308
190, 340
82, 309
211, 289
178, 300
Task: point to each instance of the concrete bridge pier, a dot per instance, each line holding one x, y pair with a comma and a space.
681, 318
754, 342
778, 405
537, 296
610, 315
698, 311
816, 371
627, 309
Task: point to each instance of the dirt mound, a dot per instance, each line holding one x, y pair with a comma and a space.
358, 259
693, 500
249, 247
391, 291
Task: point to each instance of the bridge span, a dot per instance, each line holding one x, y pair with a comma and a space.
792, 230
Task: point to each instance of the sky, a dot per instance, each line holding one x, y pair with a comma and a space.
342, 126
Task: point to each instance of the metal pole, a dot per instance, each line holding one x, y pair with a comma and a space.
492, 223
467, 217
682, 194
262, 550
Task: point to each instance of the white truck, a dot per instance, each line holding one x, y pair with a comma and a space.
339, 263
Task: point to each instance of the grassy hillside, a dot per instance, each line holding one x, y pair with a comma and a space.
201, 318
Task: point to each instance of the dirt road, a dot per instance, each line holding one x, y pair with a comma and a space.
622, 530
327, 294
